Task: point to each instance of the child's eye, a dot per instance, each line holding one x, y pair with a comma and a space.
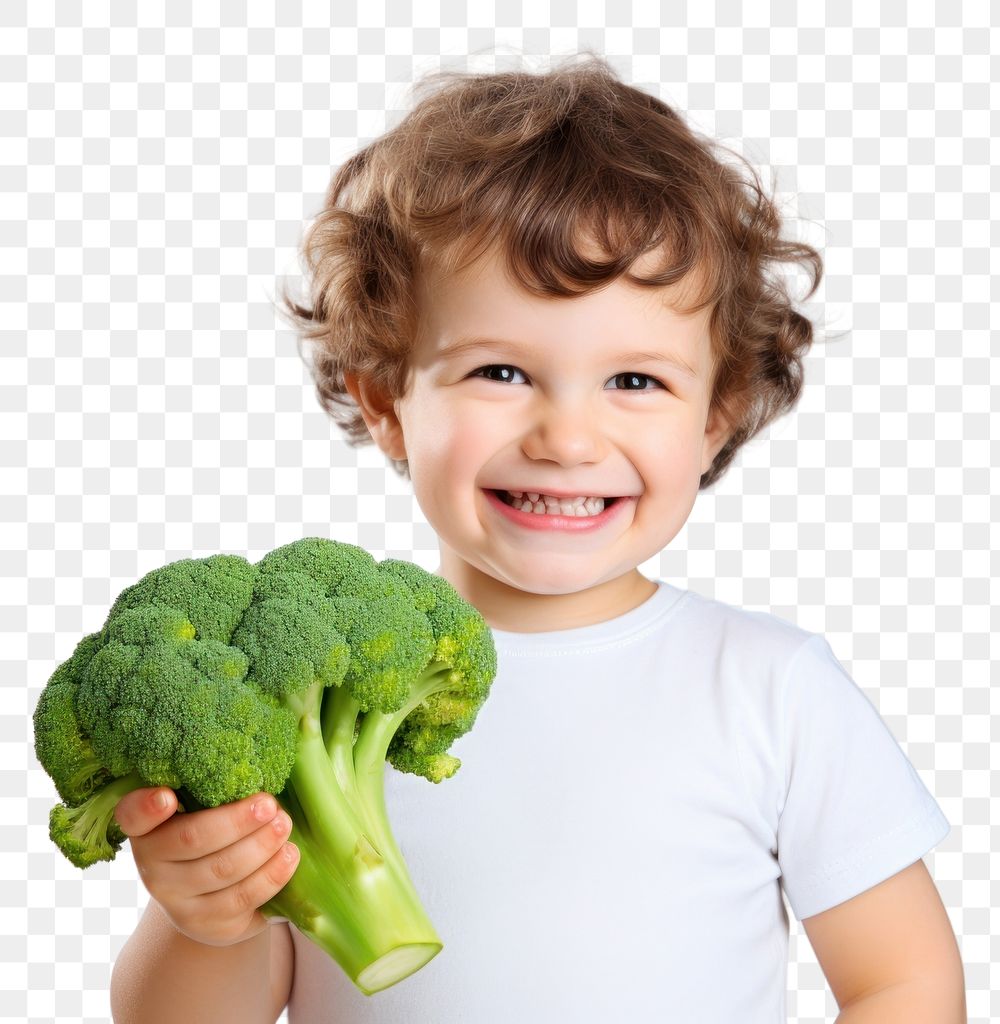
630, 377
494, 366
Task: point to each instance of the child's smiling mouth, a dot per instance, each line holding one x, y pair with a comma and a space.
589, 515
577, 505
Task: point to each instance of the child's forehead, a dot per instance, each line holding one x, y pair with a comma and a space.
490, 271
483, 307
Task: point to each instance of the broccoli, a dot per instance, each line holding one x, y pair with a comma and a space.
299, 675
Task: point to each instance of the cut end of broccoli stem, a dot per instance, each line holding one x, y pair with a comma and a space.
368, 917
397, 964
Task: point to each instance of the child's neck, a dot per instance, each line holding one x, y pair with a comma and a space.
507, 608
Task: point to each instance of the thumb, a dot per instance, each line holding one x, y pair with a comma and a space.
142, 810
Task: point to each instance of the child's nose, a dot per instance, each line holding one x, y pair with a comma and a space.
565, 433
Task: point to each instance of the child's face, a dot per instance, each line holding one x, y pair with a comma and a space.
566, 412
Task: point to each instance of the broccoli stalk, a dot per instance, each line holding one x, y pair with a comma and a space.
300, 675
372, 921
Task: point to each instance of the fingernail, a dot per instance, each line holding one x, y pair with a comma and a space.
160, 800
291, 852
264, 809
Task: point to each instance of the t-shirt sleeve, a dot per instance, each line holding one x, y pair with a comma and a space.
855, 810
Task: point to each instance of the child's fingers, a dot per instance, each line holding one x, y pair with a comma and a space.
142, 810
232, 914
246, 897
229, 866
193, 836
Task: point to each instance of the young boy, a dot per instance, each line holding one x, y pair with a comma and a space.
555, 309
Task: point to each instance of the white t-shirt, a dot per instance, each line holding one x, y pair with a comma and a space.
633, 799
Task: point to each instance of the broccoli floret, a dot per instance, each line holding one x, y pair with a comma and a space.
300, 675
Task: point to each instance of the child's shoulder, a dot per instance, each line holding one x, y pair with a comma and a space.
742, 631
758, 656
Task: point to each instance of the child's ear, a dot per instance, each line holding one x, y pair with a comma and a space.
717, 432
379, 412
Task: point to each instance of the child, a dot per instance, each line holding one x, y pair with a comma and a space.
555, 309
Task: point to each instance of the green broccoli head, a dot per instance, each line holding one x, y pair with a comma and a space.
62, 747
388, 638
179, 710
299, 675
463, 644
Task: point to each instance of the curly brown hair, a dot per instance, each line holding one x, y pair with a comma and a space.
572, 175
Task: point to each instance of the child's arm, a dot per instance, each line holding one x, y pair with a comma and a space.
889, 954
203, 950
163, 977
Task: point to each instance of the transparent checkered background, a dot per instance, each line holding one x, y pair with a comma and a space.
156, 179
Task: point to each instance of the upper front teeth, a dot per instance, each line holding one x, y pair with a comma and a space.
532, 501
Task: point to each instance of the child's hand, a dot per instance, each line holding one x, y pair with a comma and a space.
209, 870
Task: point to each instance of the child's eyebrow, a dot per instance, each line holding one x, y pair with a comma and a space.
502, 344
